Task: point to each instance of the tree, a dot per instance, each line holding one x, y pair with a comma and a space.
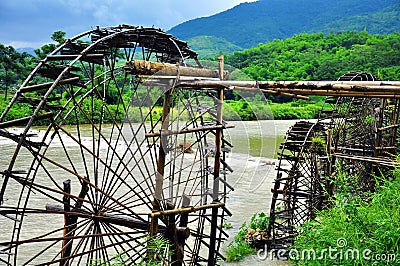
13, 67
57, 36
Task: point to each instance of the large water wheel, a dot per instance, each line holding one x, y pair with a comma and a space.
111, 157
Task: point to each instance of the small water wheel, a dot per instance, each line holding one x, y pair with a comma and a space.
299, 186
95, 172
364, 135
358, 133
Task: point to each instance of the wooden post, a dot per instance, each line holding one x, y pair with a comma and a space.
217, 167
328, 170
66, 244
172, 235
183, 232
159, 179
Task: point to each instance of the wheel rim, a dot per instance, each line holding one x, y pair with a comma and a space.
100, 191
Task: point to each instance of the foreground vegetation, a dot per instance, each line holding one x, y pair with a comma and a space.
356, 230
240, 248
370, 226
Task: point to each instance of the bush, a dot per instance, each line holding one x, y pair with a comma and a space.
237, 250
296, 111
356, 223
240, 248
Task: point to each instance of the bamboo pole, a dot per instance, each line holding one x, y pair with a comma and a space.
389, 89
188, 209
185, 131
142, 67
288, 84
66, 244
376, 160
217, 165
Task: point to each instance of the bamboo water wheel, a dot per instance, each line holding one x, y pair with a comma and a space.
360, 134
364, 135
299, 188
96, 176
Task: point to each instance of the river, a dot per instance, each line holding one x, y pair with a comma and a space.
256, 144
253, 159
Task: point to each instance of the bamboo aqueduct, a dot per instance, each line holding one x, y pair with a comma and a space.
123, 185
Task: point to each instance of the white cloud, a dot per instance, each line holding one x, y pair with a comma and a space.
29, 22
23, 44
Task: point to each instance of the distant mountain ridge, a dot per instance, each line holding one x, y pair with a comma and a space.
249, 24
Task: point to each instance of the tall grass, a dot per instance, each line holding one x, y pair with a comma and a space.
369, 226
240, 247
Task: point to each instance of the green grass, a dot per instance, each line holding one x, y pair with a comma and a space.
239, 248
160, 252
369, 225
295, 110
266, 110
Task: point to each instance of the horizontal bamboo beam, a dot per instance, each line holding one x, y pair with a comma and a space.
47, 85
376, 160
374, 89
24, 120
388, 127
142, 67
188, 209
344, 93
292, 84
73, 56
116, 219
156, 78
185, 131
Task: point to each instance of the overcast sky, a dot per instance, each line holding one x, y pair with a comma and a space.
30, 23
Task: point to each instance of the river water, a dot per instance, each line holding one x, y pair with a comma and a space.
253, 159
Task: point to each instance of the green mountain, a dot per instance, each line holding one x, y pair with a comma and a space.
249, 24
320, 56
211, 46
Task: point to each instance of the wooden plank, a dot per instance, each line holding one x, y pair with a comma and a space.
73, 56
24, 120
47, 85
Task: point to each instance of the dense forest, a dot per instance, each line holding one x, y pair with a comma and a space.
303, 57
321, 57
15, 66
250, 24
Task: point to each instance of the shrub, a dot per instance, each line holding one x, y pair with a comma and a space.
360, 224
240, 248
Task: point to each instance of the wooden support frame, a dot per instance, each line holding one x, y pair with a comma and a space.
217, 167
66, 243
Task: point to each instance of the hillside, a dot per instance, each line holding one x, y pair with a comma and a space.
249, 24
321, 56
210, 46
